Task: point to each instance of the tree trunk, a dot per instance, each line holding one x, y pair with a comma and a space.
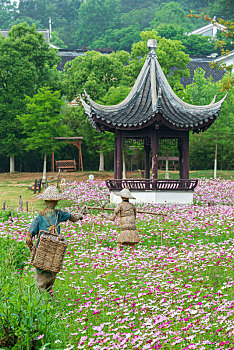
12, 164
216, 153
124, 167
44, 172
101, 162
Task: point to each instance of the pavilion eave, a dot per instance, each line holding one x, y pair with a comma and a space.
157, 120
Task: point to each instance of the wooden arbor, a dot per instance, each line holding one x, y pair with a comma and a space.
152, 112
76, 141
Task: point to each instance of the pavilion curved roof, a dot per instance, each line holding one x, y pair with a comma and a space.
151, 100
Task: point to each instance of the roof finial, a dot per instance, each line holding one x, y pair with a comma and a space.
152, 45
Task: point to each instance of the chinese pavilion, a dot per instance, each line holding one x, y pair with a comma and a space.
150, 113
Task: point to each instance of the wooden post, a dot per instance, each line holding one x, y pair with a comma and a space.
4, 205
27, 206
154, 145
80, 158
180, 148
20, 204
115, 157
119, 165
186, 155
52, 162
183, 146
147, 162
35, 187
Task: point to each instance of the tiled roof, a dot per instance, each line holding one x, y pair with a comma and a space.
151, 100
194, 64
67, 56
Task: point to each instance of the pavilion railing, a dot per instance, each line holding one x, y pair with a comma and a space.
152, 185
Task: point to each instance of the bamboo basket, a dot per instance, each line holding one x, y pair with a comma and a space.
49, 253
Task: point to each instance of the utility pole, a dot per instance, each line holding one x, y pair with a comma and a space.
50, 27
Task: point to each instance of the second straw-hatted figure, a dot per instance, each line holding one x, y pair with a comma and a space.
129, 235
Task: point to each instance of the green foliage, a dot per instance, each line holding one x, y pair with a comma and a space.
17, 250
27, 63
222, 8
5, 215
95, 73
55, 40
202, 90
94, 142
26, 318
170, 55
85, 22
117, 39
115, 95
43, 121
193, 44
138, 17
7, 13
38, 10
171, 13
202, 146
95, 17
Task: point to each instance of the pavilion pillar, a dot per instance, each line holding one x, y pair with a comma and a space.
180, 149
186, 155
183, 147
154, 146
119, 158
147, 161
115, 157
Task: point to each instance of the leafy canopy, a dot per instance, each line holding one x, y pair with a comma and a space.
43, 121
27, 63
171, 56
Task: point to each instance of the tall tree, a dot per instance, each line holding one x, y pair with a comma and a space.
221, 8
7, 13
170, 55
193, 44
42, 122
216, 140
38, 10
26, 63
95, 73
94, 18
171, 13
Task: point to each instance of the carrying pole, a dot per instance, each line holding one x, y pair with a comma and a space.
138, 211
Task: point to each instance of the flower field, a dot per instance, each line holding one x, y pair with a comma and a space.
175, 292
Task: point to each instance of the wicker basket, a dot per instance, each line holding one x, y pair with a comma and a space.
49, 254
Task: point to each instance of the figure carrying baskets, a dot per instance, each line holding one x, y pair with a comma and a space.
47, 255
129, 235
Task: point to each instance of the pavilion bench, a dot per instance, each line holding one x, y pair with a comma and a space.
69, 165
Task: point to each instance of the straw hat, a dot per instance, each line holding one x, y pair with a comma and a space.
125, 193
51, 193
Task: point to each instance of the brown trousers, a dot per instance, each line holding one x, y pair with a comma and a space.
45, 280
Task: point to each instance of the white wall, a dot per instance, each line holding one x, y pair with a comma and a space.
157, 197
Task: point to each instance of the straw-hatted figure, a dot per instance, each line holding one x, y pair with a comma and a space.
48, 221
129, 235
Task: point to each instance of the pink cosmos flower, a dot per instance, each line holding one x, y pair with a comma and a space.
40, 337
